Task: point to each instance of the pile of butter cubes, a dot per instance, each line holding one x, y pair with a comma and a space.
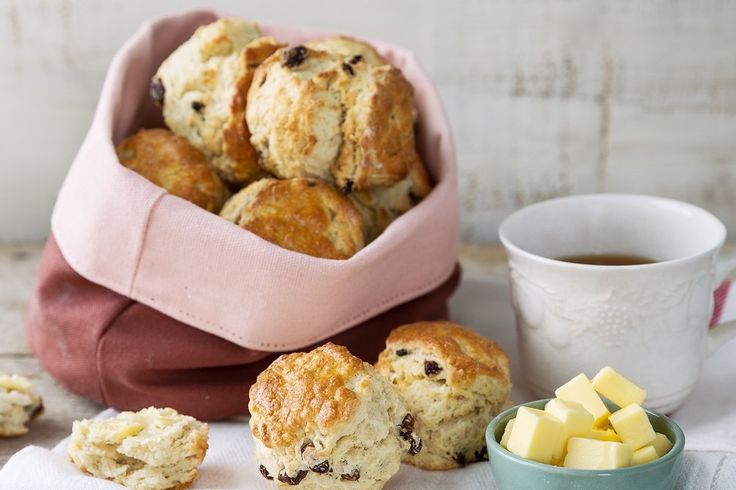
576, 430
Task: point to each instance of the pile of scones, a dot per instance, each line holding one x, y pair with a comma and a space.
310, 147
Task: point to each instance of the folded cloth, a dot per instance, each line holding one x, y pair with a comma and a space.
708, 419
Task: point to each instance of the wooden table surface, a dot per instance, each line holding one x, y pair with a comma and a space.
18, 266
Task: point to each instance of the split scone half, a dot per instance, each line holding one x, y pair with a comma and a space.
153, 449
454, 381
18, 405
327, 420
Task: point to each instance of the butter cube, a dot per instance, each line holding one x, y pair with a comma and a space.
125, 430
590, 454
661, 444
507, 433
576, 421
535, 435
604, 435
579, 389
617, 388
632, 424
643, 455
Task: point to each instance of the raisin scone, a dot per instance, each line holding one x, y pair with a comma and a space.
316, 113
202, 87
303, 215
325, 419
18, 405
381, 205
152, 449
234, 206
171, 162
454, 382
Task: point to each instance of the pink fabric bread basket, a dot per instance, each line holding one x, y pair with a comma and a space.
144, 298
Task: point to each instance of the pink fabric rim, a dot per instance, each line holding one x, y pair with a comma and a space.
118, 230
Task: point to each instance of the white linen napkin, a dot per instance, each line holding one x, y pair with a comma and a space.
708, 419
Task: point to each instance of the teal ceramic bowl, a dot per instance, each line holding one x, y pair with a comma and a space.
512, 472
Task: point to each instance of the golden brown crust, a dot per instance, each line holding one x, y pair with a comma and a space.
378, 132
234, 206
302, 390
170, 161
464, 354
242, 162
181, 486
303, 215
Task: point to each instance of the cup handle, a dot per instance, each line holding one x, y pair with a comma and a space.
723, 332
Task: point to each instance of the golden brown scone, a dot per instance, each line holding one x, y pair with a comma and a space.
169, 161
454, 381
202, 87
304, 215
152, 449
381, 205
326, 419
350, 49
234, 206
312, 113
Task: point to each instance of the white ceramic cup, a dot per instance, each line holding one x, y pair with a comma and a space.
649, 322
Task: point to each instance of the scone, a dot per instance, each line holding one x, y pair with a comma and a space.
234, 206
153, 449
316, 113
202, 87
303, 215
454, 381
325, 419
381, 205
18, 405
169, 161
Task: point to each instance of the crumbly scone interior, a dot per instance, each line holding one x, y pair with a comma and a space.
450, 417
18, 405
233, 207
153, 449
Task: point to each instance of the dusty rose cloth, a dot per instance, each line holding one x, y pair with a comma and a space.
144, 298
118, 230
127, 355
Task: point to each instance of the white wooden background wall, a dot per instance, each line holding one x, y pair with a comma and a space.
546, 97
